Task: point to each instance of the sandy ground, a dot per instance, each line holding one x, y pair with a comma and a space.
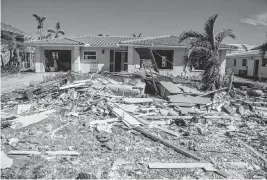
22, 80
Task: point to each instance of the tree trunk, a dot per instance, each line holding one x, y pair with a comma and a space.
18, 58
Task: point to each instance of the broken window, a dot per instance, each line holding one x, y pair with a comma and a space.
244, 62
264, 62
89, 55
164, 61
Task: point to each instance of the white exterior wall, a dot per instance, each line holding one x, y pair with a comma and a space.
103, 60
250, 63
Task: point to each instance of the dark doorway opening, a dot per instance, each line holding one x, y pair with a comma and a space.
256, 68
117, 61
57, 60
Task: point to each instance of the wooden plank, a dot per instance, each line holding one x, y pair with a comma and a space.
104, 121
179, 165
74, 86
166, 143
68, 153
168, 117
24, 153
184, 104
127, 118
180, 98
167, 131
137, 100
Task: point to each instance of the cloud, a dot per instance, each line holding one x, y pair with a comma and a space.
259, 19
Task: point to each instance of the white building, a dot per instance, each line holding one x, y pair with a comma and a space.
247, 64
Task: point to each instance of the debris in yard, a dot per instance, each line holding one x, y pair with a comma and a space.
109, 126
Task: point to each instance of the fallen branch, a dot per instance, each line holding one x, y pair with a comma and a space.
166, 143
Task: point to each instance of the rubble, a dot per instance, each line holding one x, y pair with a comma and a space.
89, 123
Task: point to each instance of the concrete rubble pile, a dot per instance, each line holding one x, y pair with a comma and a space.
217, 134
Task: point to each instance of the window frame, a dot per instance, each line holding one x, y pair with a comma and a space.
244, 62
90, 55
264, 62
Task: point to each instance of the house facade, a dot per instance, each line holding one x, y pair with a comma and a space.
113, 53
247, 64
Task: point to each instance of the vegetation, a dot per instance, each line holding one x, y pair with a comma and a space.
134, 35
40, 24
56, 32
262, 49
16, 47
205, 47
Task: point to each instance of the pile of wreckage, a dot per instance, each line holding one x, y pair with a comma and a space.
174, 116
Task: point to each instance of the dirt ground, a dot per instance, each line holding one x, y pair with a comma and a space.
22, 80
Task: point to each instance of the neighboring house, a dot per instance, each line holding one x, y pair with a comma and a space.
28, 60
247, 64
112, 53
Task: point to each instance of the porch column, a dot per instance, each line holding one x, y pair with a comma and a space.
131, 65
75, 62
39, 59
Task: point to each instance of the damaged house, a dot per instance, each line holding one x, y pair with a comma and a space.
114, 54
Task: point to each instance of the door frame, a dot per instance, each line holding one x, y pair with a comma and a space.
123, 52
256, 68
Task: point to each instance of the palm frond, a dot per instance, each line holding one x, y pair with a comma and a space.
61, 32
209, 28
48, 36
223, 34
190, 34
262, 49
140, 35
57, 26
245, 47
133, 35
43, 19
50, 30
38, 18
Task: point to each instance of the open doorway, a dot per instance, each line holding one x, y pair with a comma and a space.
57, 60
256, 68
118, 61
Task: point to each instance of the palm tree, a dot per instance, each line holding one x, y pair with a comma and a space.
15, 45
136, 35
205, 47
40, 21
262, 49
57, 31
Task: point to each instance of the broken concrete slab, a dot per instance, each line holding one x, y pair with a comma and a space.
168, 88
128, 107
28, 120
6, 162
180, 98
22, 108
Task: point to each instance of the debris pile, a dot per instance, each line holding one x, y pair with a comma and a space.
107, 126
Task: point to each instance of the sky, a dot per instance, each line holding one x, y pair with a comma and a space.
248, 18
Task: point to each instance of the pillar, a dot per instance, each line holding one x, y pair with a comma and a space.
75, 63
39, 59
131, 65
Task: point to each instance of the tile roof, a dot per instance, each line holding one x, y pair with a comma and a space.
167, 40
245, 53
56, 41
8, 28
103, 40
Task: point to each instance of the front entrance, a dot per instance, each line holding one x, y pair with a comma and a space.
57, 60
256, 68
118, 61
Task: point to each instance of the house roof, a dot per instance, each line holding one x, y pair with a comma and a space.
103, 40
244, 53
9, 28
94, 41
56, 41
167, 40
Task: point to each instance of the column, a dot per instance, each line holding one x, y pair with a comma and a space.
131, 65
75, 62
